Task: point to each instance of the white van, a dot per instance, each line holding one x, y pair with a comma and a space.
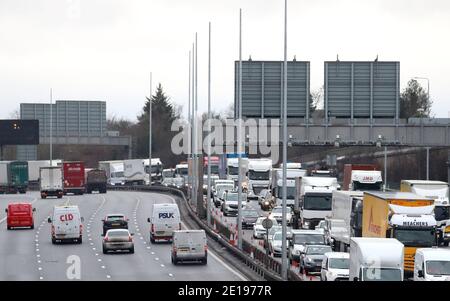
66, 224
432, 264
165, 219
189, 245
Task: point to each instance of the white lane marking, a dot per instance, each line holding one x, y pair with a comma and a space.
170, 275
107, 276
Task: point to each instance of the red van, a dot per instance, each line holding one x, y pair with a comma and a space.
20, 215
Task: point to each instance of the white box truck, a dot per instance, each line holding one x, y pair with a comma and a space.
259, 176
313, 199
4, 177
376, 259
51, 182
134, 172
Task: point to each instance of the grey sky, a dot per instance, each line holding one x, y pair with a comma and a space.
105, 49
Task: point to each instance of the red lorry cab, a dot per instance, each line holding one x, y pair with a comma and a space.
73, 173
20, 215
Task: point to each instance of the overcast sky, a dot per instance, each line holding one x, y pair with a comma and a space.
105, 49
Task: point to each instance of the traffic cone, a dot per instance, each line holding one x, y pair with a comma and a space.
215, 226
231, 238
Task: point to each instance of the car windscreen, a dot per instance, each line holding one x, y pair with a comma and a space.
312, 239
250, 213
438, 267
118, 233
115, 218
290, 192
258, 175
339, 263
233, 170
320, 250
168, 174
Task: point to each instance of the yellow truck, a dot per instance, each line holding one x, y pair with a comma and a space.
405, 216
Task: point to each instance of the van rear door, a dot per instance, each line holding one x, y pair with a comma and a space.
67, 224
166, 220
20, 214
192, 243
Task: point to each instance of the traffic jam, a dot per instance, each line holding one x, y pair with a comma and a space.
60, 178
336, 230
349, 230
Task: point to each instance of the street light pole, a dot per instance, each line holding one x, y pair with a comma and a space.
150, 133
51, 127
208, 197
239, 217
285, 141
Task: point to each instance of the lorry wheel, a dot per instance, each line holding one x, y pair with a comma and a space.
132, 250
59, 196
53, 241
80, 240
445, 243
205, 261
8, 228
152, 240
105, 251
43, 197
32, 227
174, 260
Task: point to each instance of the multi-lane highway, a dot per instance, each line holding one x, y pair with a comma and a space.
30, 255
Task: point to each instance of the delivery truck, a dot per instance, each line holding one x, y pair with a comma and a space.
362, 177
405, 216
51, 182
439, 191
259, 176
277, 184
96, 180
18, 176
73, 175
376, 259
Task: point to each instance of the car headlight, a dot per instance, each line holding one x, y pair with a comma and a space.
266, 203
306, 224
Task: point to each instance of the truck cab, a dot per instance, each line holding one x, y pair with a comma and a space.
313, 199
362, 177
439, 191
182, 171
233, 168
259, 176
277, 183
156, 170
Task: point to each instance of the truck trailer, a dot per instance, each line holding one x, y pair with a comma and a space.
51, 181
405, 216
362, 177
73, 174
96, 180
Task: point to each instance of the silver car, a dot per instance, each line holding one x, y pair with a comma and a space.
118, 240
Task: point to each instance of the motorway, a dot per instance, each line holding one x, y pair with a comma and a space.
231, 221
30, 255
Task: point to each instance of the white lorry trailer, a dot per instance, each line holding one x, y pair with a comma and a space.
156, 170
134, 172
259, 176
51, 182
313, 200
345, 207
376, 259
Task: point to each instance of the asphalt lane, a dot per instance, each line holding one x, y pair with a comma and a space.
30, 255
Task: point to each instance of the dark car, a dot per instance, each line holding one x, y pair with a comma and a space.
311, 258
249, 217
114, 221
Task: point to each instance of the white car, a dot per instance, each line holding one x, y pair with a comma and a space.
258, 229
275, 244
335, 267
277, 214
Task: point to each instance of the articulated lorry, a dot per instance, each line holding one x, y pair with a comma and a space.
313, 200
114, 172
156, 170
259, 176
439, 191
96, 180
347, 207
277, 184
18, 176
362, 177
73, 173
405, 216
51, 181
134, 172
376, 259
